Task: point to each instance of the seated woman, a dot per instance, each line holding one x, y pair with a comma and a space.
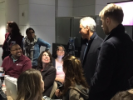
75, 85
47, 70
58, 62
30, 85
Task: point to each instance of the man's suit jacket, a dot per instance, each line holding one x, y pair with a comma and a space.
89, 64
114, 67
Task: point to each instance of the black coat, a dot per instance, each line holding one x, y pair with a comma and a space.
48, 74
114, 67
89, 64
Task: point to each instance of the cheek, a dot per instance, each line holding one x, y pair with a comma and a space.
42, 59
49, 60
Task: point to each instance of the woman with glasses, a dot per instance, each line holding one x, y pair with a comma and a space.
58, 62
32, 46
13, 36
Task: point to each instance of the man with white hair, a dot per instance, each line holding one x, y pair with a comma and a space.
90, 45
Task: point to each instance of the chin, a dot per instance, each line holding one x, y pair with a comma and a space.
46, 62
18, 55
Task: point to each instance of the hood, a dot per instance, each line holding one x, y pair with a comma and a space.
81, 89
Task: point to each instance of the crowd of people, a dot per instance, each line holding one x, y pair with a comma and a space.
104, 70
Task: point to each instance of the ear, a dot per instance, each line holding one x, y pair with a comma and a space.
87, 28
108, 20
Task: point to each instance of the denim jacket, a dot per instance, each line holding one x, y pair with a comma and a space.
36, 49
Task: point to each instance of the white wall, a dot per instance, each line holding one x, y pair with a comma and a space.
12, 11
64, 8
23, 15
83, 7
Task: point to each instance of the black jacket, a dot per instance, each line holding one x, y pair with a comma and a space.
89, 63
114, 67
48, 74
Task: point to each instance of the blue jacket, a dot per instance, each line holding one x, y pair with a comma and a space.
36, 50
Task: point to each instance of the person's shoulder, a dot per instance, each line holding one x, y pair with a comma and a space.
52, 68
23, 57
98, 38
6, 58
39, 39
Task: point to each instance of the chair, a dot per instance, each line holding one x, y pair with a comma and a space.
53, 89
11, 86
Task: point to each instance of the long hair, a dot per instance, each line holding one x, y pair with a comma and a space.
73, 73
15, 29
39, 67
29, 85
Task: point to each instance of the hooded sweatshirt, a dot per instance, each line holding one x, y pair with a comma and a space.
78, 92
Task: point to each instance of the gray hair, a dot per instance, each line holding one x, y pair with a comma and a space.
88, 21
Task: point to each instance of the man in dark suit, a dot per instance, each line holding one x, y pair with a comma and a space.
89, 50
115, 60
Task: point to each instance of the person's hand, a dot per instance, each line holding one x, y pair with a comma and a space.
57, 92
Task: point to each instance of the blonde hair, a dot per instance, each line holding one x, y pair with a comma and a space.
29, 85
88, 21
112, 11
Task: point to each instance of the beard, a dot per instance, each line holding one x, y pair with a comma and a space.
106, 30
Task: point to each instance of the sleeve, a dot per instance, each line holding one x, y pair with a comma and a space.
49, 79
23, 46
44, 43
105, 67
74, 95
3, 64
27, 65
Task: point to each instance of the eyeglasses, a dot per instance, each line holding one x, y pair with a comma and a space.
61, 50
16, 49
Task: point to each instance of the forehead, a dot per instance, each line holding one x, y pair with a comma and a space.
15, 46
30, 31
45, 53
61, 48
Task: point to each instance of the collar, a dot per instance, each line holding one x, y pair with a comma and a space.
28, 41
93, 36
46, 68
117, 30
14, 60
